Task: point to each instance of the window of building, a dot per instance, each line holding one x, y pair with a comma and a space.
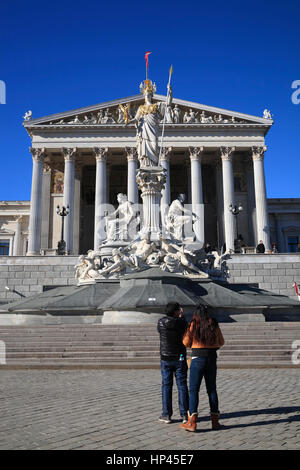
4, 247
293, 244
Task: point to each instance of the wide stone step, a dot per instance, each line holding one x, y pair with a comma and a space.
134, 330
99, 354
125, 354
255, 352
97, 334
83, 347
138, 345
13, 342
141, 346
131, 328
230, 361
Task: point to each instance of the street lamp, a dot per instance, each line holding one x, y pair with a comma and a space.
63, 212
236, 210
10, 289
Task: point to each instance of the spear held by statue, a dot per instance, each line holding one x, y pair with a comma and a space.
165, 113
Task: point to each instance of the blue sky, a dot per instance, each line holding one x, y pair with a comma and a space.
61, 55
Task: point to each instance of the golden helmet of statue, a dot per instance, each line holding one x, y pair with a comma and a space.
147, 87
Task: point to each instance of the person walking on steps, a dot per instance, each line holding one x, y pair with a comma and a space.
171, 329
204, 337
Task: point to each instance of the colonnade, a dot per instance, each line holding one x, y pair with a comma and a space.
195, 155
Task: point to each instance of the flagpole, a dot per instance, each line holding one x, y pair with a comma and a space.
147, 63
164, 121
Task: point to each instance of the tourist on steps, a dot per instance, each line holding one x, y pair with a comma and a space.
204, 337
171, 329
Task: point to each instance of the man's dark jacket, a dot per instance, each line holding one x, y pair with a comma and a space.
171, 331
260, 248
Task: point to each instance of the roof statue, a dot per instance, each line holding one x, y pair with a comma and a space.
27, 115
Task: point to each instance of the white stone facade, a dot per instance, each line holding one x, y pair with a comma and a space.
14, 222
85, 157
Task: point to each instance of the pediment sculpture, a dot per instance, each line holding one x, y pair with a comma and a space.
125, 113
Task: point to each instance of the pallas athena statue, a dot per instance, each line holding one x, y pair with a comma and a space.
147, 120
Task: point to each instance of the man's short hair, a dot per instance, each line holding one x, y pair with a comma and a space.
172, 308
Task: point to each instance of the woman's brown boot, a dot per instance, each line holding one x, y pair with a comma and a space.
191, 425
215, 420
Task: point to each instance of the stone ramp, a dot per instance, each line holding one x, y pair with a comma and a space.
247, 345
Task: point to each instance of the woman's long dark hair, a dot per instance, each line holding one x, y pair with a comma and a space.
203, 327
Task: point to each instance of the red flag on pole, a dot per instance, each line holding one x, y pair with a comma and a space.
297, 291
146, 57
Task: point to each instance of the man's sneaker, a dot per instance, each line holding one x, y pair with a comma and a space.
164, 419
185, 419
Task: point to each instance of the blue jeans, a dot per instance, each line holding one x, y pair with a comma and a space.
207, 367
168, 369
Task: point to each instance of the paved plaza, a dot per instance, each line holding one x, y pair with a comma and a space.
119, 409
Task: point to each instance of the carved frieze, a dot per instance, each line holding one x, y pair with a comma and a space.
175, 114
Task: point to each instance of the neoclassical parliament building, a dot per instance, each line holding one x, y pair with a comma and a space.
85, 157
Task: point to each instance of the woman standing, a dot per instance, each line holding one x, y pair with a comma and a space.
204, 337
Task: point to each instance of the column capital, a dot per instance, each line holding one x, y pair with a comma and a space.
196, 153
258, 153
101, 153
38, 154
18, 218
132, 155
227, 153
69, 153
166, 153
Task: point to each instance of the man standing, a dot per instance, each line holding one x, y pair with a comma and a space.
260, 247
173, 361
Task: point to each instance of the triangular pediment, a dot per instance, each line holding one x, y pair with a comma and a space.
182, 113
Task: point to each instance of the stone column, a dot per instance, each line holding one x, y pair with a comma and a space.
262, 216
108, 171
100, 196
45, 206
68, 200
16, 248
252, 241
165, 163
132, 187
197, 191
77, 199
166, 192
151, 181
187, 174
220, 205
228, 195
34, 242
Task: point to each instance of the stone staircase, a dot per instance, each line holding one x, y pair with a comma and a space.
248, 344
